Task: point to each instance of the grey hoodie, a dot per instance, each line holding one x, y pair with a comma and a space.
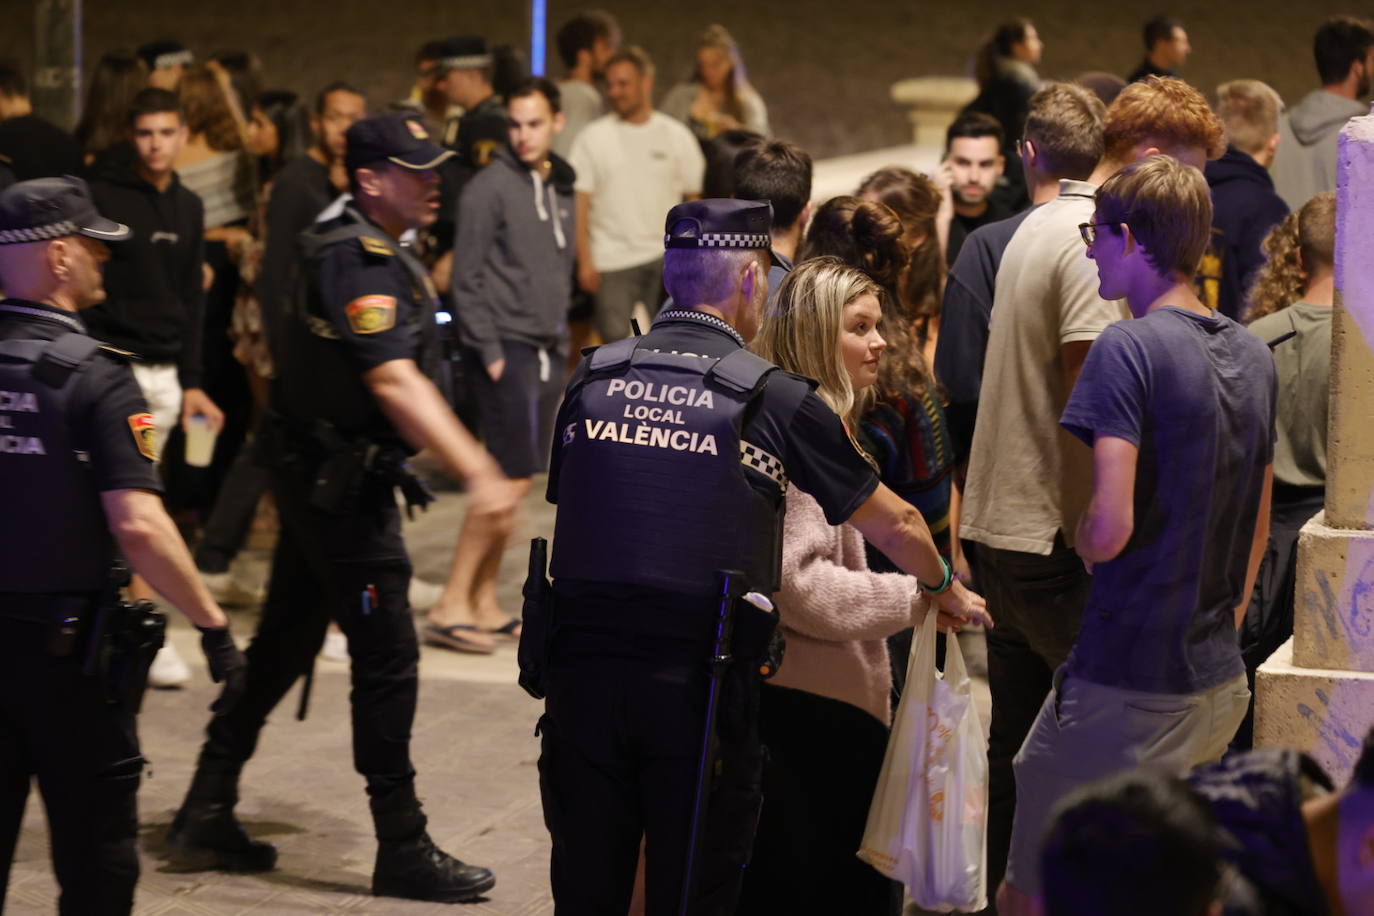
513, 256
1305, 163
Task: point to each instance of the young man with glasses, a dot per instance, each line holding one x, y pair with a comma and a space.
1177, 406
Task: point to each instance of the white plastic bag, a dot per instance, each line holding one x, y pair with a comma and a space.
928, 821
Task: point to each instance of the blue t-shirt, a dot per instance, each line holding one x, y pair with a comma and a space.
1196, 395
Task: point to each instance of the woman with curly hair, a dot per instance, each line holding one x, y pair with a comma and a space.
717, 97
1290, 309
916, 201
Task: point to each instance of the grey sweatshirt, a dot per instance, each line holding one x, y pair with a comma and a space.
1305, 162
513, 256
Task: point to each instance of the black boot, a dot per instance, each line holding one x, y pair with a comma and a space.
205, 830
408, 863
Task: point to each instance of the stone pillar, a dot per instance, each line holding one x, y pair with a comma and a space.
1317, 692
933, 102
56, 91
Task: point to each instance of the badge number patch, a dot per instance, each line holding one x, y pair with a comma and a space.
145, 434
371, 314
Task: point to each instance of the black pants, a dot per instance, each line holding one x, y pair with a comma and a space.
55, 724
824, 756
323, 567
1037, 602
622, 734
237, 503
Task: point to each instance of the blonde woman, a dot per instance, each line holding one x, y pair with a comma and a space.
718, 96
825, 716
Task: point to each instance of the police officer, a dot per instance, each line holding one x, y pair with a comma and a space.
672, 453
78, 484
353, 396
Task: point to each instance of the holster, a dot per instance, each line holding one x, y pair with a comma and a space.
536, 621
121, 640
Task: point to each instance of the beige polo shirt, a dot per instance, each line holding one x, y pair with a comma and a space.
1027, 478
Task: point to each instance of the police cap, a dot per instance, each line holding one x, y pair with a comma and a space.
50, 208
398, 137
165, 52
463, 52
720, 223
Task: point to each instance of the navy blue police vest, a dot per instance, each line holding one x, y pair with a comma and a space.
652, 484
55, 537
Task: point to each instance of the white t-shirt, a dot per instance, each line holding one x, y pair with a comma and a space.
635, 173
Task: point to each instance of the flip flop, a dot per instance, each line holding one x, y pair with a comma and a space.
452, 637
509, 629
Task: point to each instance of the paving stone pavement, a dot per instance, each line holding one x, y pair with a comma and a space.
473, 748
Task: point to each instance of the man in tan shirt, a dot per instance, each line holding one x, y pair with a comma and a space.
1027, 481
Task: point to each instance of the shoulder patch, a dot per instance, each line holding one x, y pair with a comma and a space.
483, 150
376, 246
371, 314
145, 434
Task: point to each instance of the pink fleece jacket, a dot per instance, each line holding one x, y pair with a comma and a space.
836, 614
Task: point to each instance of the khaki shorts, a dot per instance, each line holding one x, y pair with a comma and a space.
1086, 732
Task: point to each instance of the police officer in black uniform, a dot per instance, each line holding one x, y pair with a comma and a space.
78, 484
672, 454
352, 398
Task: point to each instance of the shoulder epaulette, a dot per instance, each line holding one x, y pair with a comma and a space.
376, 246
118, 353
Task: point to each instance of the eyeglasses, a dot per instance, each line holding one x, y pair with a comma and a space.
1089, 231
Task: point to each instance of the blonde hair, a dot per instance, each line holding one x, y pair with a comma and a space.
1167, 206
1309, 232
719, 38
1249, 111
801, 329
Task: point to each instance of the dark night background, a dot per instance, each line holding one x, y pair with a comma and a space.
823, 66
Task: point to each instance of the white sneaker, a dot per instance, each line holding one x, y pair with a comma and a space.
232, 592
423, 595
168, 671
335, 648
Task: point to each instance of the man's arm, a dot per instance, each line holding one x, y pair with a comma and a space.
1106, 526
194, 400
151, 543
419, 412
587, 276
477, 219
898, 529
1259, 543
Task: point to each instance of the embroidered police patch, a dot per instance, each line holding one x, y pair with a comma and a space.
371, 314
375, 246
145, 434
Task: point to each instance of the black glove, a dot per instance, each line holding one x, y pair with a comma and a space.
227, 664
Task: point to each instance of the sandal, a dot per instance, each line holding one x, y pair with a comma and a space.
452, 637
510, 629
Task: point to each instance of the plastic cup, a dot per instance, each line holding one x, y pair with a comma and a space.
200, 442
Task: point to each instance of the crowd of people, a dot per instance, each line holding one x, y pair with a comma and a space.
1070, 388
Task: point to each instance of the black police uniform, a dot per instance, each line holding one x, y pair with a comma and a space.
671, 459
73, 424
345, 561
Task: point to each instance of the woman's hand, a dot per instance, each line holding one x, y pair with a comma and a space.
963, 605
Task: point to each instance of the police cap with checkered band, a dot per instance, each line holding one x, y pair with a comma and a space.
50, 208
720, 223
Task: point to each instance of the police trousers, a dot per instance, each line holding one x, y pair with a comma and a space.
353, 569
56, 725
622, 730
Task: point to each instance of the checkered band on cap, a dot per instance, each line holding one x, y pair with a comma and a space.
465, 62
720, 240
37, 234
751, 456
172, 58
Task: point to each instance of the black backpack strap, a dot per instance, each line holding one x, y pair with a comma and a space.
740, 371
54, 362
